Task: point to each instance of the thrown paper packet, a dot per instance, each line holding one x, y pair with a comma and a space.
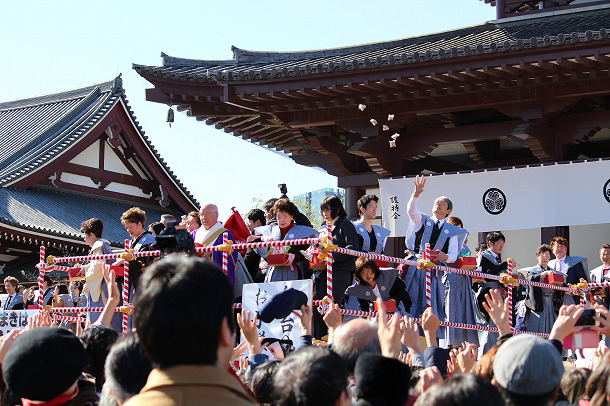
395, 135
373, 121
393, 144
390, 117
385, 128
362, 107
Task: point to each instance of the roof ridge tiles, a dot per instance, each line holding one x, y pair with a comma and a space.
175, 61
490, 37
56, 97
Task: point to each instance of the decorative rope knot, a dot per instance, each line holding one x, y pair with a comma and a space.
508, 280
423, 264
127, 255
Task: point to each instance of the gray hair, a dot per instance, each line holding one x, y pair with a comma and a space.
446, 200
354, 338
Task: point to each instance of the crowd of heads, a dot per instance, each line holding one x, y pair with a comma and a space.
184, 317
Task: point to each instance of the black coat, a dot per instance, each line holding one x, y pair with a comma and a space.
534, 301
345, 236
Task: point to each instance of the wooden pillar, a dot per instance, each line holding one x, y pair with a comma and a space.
395, 247
352, 194
483, 236
547, 234
500, 9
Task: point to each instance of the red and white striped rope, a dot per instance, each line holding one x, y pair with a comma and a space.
360, 313
41, 278
225, 254
126, 290
51, 268
199, 250
71, 319
78, 309
329, 264
447, 269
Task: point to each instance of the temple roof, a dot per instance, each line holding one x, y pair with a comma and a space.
29, 210
508, 35
35, 131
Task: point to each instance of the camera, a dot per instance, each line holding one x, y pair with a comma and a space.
171, 240
283, 190
586, 318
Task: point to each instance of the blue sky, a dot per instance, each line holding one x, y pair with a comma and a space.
50, 47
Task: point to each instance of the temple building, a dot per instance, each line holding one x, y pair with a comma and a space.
529, 89
71, 156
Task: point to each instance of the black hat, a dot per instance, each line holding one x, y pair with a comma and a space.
282, 304
381, 380
43, 363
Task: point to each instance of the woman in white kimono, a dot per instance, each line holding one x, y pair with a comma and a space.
286, 229
542, 304
97, 290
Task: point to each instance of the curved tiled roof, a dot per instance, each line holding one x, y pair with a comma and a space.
35, 131
29, 210
499, 36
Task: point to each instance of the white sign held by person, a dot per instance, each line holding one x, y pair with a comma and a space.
12, 319
254, 297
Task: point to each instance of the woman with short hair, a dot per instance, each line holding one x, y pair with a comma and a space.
286, 229
372, 282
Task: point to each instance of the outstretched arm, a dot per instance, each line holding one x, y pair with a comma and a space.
414, 214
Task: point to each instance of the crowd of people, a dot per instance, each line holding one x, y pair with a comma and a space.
187, 345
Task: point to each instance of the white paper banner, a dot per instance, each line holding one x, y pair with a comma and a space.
256, 294
508, 199
11, 319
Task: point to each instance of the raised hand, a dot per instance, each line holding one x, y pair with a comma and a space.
389, 332
7, 341
247, 324
428, 377
410, 335
305, 319
602, 316
333, 317
430, 323
239, 350
498, 311
564, 324
419, 182
466, 357
40, 319
452, 363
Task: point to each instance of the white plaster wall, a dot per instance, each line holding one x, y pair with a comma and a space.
112, 161
585, 241
89, 157
125, 189
521, 246
77, 180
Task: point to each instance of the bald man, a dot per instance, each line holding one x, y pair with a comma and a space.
210, 234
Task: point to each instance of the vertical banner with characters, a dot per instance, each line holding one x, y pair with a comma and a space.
254, 297
11, 319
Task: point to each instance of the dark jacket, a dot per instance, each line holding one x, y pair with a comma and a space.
534, 301
345, 236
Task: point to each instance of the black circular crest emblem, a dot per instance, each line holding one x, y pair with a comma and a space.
494, 201
607, 190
